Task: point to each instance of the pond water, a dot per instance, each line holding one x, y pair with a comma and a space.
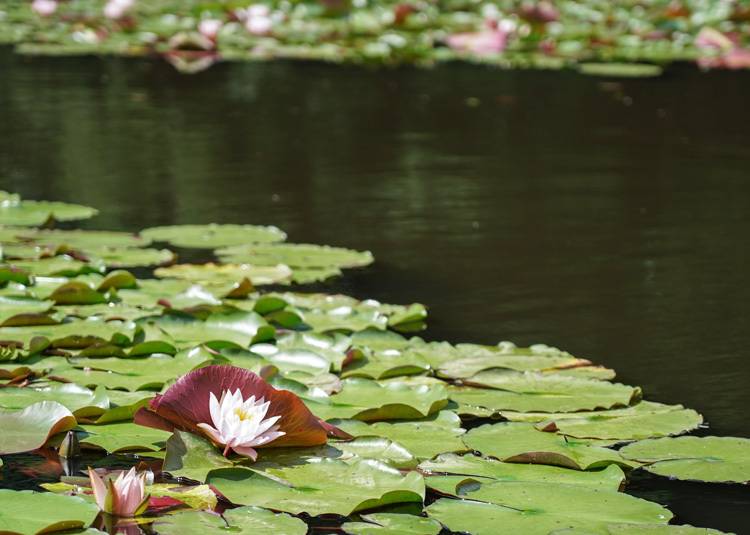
607, 218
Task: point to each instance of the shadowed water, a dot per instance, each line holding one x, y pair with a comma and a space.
609, 219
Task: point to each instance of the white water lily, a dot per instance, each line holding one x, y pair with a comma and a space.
240, 424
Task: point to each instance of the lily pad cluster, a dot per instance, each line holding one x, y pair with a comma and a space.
604, 38
379, 431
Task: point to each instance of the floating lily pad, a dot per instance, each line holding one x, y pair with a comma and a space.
21, 512
458, 467
251, 520
213, 235
60, 265
36, 213
538, 508
130, 256
659, 529
123, 436
345, 318
12, 305
75, 333
620, 70
366, 400
325, 486
523, 443
29, 429
78, 399
643, 420
711, 459
469, 366
385, 364
294, 255
212, 274
192, 456
393, 524
424, 438
86, 239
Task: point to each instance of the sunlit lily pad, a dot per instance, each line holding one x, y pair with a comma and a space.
295, 255
21, 512
251, 520
425, 438
212, 274
712, 459
74, 334
523, 443
325, 486
78, 399
620, 70
86, 239
129, 256
384, 364
35, 213
366, 400
659, 529
60, 265
538, 508
214, 235
393, 524
192, 456
462, 466
123, 436
469, 366
29, 428
346, 319
13, 305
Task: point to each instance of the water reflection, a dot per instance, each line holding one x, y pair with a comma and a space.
608, 220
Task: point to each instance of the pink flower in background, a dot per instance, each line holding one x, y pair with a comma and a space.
44, 7
115, 9
257, 18
126, 496
732, 55
708, 38
493, 39
210, 28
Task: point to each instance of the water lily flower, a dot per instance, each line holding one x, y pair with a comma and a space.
239, 424
115, 9
44, 7
257, 18
210, 28
203, 402
487, 41
126, 496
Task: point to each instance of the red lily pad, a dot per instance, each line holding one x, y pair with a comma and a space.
185, 404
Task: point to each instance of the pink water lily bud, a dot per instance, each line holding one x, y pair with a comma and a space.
708, 38
240, 424
115, 9
126, 496
257, 18
44, 7
210, 28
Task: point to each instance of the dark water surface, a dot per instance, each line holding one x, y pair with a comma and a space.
607, 219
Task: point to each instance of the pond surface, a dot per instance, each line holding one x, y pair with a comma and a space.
609, 219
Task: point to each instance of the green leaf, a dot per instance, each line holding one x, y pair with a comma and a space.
294, 255
213, 235
250, 520
130, 256
539, 508
711, 459
80, 400
385, 364
659, 529
123, 436
620, 70
393, 524
29, 428
191, 456
21, 512
523, 443
212, 274
37, 213
323, 486
458, 467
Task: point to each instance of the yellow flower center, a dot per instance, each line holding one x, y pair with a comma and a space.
243, 414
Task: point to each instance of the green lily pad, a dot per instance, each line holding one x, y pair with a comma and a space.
120, 257
523, 443
385, 364
36, 213
325, 486
294, 255
529, 391
123, 436
21, 512
150, 291
86, 239
212, 274
620, 70
78, 399
240, 327
251, 520
75, 333
60, 265
425, 438
191, 456
711, 459
344, 318
464, 368
29, 428
13, 305
538, 508
213, 235
331, 347
643, 420
393, 524
458, 467
366, 400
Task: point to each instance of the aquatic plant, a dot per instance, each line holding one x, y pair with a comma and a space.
125, 496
